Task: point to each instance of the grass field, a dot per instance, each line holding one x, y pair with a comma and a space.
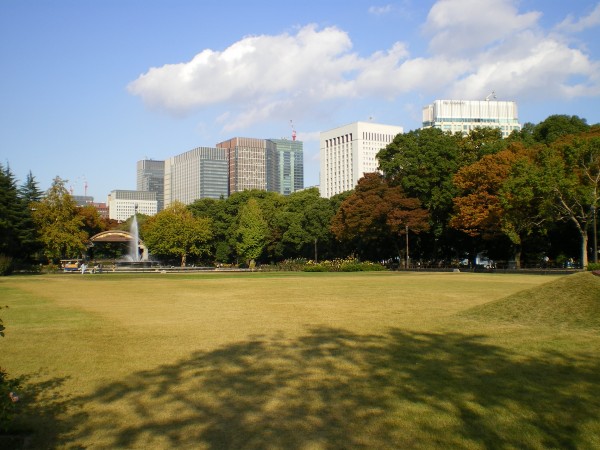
305, 361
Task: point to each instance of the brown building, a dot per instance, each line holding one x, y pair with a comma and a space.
247, 163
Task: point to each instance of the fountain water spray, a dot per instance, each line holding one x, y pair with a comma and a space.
133, 244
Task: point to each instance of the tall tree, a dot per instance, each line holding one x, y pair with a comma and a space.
303, 222
497, 199
375, 215
423, 163
175, 232
59, 223
251, 231
11, 214
571, 168
29, 193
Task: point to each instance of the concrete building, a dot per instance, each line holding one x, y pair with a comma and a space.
461, 116
285, 166
247, 163
151, 177
350, 151
122, 204
196, 174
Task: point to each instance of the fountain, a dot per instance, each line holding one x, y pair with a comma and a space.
134, 252
133, 259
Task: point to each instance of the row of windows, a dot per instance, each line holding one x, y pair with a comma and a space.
380, 137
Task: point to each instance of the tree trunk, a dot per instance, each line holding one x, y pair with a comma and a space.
517, 256
584, 242
183, 259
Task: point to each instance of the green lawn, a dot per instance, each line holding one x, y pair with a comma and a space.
305, 361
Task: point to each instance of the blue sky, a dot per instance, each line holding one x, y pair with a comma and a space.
89, 87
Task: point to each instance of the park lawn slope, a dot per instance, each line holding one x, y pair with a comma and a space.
571, 302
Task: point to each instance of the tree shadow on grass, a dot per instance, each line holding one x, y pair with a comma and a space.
335, 389
40, 415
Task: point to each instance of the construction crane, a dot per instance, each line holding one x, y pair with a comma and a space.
293, 131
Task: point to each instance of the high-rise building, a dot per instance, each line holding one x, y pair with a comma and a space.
151, 177
350, 151
196, 174
122, 204
461, 116
285, 166
247, 163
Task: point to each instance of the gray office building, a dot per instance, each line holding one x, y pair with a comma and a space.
196, 174
151, 178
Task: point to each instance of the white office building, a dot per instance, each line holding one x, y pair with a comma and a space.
461, 116
349, 152
122, 204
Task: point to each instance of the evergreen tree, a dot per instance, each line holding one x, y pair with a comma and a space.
11, 215
29, 193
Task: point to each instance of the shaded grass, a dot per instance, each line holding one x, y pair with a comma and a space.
296, 361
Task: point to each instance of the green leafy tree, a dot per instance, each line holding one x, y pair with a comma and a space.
556, 126
303, 222
571, 169
477, 143
175, 232
251, 231
215, 210
59, 223
423, 163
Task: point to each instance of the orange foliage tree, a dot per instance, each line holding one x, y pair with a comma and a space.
377, 213
499, 196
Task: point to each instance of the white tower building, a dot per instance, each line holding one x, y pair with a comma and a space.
461, 116
349, 152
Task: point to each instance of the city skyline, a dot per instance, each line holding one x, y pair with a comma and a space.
90, 88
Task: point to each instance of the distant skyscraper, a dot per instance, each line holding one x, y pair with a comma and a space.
247, 163
350, 151
285, 166
461, 116
196, 174
151, 177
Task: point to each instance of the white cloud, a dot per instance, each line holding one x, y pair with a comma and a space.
570, 25
476, 46
254, 67
380, 10
461, 26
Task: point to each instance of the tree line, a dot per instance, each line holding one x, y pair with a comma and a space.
438, 198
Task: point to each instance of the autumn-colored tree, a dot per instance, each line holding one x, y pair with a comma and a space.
377, 214
478, 211
58, 222
498, 197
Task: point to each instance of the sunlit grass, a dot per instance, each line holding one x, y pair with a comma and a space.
364, 360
